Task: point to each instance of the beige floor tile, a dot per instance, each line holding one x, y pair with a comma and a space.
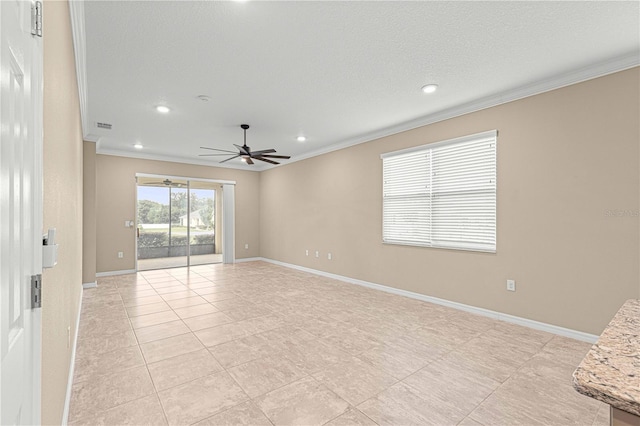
164, 283
207, 321
103, 327
452, 381
201, 398
354, 380
243, 414
161, 331
263, 323
223, 333
136, 311
183, 368
247, 312
243, 350
142, 301
304, 402
497, 356
228, 304
141, 412
171, 289
468, 421
394, 360
524, 334
524, 399
199, 285
400, 405
603, 417
131, 291
178, 295
314, 356
138, 293
266, 374
90, 397
215, 294
565, 350
153, 319
353, 417
92, 346
188, 301
277, 323
170, 347
194, 311
447, 333
89, 366
351, 340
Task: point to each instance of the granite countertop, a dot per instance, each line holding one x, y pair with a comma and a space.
610, 372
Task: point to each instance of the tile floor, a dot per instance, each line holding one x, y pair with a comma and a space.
258, 344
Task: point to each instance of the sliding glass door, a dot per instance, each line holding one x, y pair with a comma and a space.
204, 224
176, 223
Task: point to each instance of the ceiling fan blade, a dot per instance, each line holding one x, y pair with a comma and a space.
211, 155
274, 156
264, 151
242, 149
230, 158
266, 160
216, 149
248, 160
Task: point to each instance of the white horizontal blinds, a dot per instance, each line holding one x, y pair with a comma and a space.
406, 199
464, 195
442, 194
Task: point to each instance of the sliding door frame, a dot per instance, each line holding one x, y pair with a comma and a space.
228, 212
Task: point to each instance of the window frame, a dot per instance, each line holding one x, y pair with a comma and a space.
431, 194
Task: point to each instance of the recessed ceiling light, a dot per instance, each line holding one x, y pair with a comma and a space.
430, 88
163, 109
301, 139
204, 98
138, 146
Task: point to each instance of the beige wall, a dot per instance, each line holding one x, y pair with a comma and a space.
116, 191
62, 285
89, 213
564, 158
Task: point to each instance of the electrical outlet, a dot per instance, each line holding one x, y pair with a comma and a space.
120, 255
246, 246
511, 285
306, 252
317, 253
329, 256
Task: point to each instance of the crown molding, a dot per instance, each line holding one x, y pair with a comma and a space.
600, 69
76, 12
159, 157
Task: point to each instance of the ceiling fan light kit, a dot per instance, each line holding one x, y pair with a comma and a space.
245, 153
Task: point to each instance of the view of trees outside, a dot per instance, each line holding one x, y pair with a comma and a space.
162, 226
153, 212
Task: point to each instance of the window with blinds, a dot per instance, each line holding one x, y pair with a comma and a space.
442, 194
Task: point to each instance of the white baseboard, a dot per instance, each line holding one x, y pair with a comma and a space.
111, 273
550, 328
249, 259
90, 285
67, 399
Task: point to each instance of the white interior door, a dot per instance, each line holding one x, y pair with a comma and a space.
20, 212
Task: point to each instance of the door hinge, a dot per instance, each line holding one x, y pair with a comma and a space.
36, 286
36, 19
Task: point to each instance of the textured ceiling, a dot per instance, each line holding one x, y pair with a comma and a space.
333, 71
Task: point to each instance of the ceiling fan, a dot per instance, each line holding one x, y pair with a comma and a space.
245, 152
165, 182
